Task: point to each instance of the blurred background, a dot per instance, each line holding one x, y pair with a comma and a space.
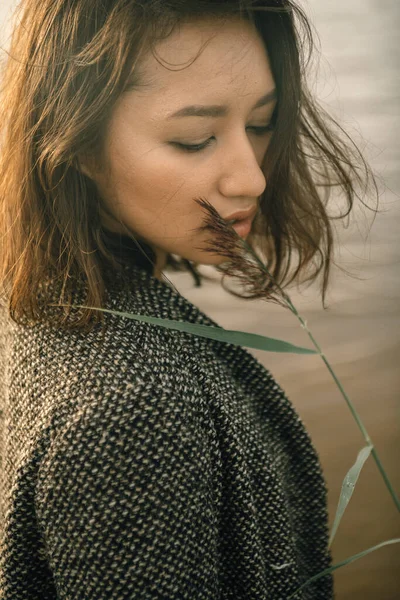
357, 81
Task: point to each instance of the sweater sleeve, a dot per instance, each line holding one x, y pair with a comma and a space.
124, 501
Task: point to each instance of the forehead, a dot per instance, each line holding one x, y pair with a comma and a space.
210, 57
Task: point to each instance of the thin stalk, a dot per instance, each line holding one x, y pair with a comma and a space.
339, 385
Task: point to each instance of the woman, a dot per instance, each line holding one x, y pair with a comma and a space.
140, 462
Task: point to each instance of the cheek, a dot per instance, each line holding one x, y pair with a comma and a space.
155, 181
153, 193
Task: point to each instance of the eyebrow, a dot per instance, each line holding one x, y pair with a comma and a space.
217, 110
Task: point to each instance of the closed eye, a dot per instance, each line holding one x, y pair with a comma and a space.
198, 147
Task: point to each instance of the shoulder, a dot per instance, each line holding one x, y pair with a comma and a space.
58, 378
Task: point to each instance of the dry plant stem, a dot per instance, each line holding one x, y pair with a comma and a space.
348, 401
230, 245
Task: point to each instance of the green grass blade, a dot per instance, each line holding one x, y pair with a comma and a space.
348, 486
239, 338
345, 562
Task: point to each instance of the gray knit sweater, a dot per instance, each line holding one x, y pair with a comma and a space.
152, 464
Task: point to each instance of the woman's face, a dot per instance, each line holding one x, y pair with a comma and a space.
152, 180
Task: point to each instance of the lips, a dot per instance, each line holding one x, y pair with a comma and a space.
242, 215
243, 227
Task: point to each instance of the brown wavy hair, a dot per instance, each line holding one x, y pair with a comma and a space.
68, 63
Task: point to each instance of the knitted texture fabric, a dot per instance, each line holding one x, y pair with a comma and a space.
152, 463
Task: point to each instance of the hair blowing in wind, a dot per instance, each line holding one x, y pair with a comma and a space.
67, 65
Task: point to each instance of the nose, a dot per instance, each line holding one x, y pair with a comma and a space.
241, 174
